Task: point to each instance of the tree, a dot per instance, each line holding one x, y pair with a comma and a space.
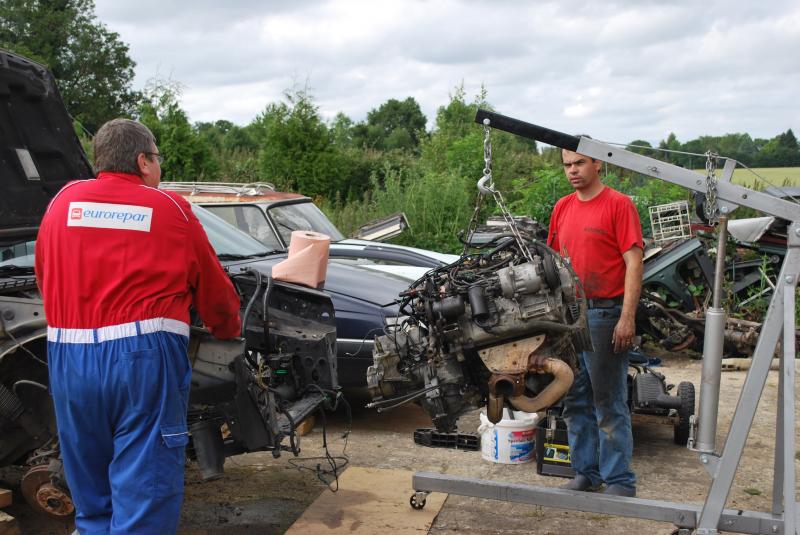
394, 124
297, 150
342, 130
187, 157
640, 146
672, 143
456, 144
780, 151
90, 63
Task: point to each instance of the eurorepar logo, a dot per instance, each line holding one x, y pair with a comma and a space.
110, 216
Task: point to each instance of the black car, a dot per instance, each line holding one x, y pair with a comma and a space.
364, 300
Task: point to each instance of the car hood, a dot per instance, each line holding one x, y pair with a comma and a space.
354, 281
39, 147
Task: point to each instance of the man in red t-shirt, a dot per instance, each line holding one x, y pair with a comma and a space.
598, 230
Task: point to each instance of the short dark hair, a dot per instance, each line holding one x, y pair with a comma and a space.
118, 144
587, 136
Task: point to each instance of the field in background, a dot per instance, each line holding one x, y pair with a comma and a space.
776, 176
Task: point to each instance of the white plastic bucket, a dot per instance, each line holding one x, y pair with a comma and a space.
509, 441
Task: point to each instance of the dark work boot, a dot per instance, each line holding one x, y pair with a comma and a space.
581, 483
621, 490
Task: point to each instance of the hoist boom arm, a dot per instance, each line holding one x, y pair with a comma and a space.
733, 194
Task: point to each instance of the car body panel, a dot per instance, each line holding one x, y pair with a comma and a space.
39, 150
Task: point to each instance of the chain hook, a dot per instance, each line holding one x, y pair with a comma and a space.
486, 183
486, 187
710, 207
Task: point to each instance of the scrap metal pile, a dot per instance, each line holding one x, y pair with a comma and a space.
495, 326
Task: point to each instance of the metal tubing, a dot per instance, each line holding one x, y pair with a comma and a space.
719, 271
710, 380
777, 472
679, 514
713, 343
748, 402
527, 130
787, 397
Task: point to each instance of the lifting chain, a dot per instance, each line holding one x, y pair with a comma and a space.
486, 187
710, 207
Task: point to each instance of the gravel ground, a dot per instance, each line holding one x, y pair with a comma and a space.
260, 494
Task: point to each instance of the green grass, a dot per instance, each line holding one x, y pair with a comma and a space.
776, 176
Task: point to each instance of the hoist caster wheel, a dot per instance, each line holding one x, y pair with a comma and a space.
416, 503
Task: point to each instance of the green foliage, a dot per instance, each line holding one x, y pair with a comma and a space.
297, 151
394, 125
536, 197
640, 146
645, 192
456, 144
90, 63
437, 207
187, 157
754, 306
780, 151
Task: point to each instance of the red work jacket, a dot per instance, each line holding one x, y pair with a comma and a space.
113, 250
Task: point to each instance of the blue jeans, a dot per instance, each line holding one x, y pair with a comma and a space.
596, 409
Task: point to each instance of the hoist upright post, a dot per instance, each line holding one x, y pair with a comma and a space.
710, 517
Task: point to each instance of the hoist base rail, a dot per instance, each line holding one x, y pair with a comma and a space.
680, 514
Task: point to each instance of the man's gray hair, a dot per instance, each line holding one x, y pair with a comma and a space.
118, 144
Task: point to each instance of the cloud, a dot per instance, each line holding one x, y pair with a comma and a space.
617, 70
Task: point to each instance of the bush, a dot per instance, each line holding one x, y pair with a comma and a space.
437, 206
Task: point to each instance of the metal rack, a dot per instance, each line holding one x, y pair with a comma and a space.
670, 222
711, 516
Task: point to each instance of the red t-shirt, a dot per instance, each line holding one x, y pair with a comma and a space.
593, 235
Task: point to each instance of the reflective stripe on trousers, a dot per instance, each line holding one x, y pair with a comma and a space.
121, 413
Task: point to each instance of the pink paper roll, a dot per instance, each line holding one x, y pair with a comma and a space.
307, 263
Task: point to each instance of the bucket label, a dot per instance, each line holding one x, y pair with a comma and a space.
520, 445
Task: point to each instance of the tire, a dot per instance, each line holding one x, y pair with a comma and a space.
686, 395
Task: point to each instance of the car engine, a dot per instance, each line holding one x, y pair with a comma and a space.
495, 327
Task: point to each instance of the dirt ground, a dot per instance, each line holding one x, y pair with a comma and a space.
260, 494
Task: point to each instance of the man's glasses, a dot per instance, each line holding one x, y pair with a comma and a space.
158, 156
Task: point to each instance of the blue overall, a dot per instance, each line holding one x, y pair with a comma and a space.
596, 408
121, 412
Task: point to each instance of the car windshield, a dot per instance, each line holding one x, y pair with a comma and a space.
249, 219
228, 241
17, 255
302, 216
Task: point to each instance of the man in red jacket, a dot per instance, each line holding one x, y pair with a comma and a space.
598, 230
118, 263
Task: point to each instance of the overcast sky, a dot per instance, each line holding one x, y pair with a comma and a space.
631, 69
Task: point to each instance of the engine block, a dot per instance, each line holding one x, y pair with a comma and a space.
489, 329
